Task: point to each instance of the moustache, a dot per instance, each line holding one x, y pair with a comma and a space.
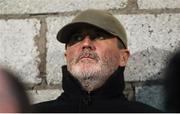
88, 54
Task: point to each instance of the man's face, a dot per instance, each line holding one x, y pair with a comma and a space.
93, 55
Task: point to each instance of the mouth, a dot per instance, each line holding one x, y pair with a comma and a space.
87, 58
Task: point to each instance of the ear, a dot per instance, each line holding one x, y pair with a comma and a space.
124, 55
65, 55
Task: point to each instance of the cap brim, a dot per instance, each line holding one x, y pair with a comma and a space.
64, 34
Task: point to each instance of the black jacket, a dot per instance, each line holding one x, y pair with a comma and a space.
108, 98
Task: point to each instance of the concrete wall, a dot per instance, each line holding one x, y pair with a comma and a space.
28, 43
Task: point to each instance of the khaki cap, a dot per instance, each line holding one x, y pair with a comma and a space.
95, 18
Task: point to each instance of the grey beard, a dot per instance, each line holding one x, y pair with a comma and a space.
92, 74
90, 80
95, 76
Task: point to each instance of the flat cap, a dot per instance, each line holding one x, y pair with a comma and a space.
95, 18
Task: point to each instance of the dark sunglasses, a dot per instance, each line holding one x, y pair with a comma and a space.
93, 35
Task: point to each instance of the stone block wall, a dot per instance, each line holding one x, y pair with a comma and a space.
28, 42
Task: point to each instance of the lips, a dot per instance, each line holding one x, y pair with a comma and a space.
86, 58
87, 55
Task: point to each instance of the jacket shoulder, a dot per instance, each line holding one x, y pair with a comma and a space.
141, 107
43, 106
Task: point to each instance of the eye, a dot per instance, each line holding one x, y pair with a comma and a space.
96, 35
101, 38
100, 35
76, 37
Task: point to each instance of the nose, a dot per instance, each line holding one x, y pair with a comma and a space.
87, 43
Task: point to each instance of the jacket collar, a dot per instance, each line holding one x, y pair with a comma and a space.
113, 86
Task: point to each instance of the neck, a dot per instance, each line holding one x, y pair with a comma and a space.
90, 84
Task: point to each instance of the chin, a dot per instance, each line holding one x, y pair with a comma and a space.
87, 66
85, 69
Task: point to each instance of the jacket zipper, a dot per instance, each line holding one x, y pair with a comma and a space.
86, 101
89, 98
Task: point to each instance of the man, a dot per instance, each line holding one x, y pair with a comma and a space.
96, 55
171, 84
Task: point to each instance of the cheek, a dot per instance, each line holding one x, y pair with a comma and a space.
70, 54
107, 49
108, 53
